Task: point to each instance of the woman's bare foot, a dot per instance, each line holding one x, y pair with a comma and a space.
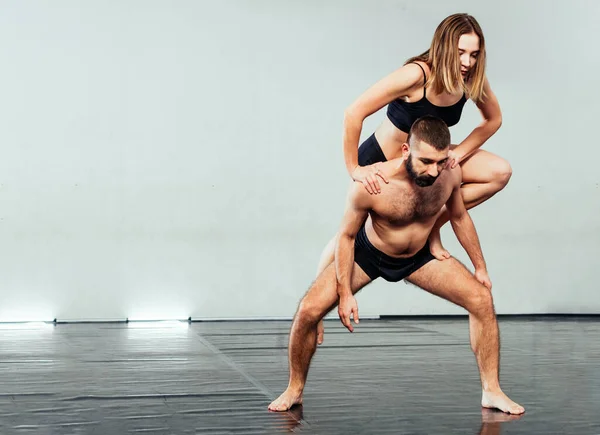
287, 399
499, 400
320, 332
435, 245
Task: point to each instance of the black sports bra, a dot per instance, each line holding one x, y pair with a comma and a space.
403, 114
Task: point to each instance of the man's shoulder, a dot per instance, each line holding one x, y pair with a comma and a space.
358, 195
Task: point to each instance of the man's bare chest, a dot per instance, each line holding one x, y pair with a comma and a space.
404, 204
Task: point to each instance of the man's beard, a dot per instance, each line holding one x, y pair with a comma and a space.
420, 180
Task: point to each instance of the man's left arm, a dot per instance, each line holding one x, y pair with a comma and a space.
465, 231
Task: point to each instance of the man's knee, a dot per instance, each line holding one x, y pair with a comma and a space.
309, 312
311, 307
480, 303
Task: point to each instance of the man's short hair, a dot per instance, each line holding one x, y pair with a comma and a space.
431, 130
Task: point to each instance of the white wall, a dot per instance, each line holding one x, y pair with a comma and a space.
175, 159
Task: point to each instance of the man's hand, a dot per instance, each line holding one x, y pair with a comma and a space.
482, 276
346, 307
367, 175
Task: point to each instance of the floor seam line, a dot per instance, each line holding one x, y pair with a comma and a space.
257, 384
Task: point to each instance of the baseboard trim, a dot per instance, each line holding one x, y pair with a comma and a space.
594, 317
531, 316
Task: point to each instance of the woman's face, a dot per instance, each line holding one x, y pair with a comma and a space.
468, 50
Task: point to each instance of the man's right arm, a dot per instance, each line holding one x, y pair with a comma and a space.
358, 204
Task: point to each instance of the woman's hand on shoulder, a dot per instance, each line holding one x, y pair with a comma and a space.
368, 176
454, 159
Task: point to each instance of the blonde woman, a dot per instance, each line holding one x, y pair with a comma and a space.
438, 82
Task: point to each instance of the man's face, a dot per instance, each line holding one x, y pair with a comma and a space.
424, 163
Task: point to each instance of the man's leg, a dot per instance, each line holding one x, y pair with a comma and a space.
327, 257
321, 298
450, 280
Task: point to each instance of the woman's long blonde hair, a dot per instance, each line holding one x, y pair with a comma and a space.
444, 61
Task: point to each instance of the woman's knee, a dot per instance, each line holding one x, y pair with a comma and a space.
501, 172
485, 167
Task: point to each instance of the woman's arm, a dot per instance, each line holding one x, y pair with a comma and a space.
492, 120
395, 85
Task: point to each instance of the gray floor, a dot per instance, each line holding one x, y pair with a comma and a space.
390, 376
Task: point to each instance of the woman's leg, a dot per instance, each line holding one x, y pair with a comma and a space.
483, 174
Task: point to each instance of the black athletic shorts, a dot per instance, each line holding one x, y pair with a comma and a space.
377, 264
369, 152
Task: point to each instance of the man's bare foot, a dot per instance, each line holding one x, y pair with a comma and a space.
491, 416
435, 246
499, 400
287, 399
320, 332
